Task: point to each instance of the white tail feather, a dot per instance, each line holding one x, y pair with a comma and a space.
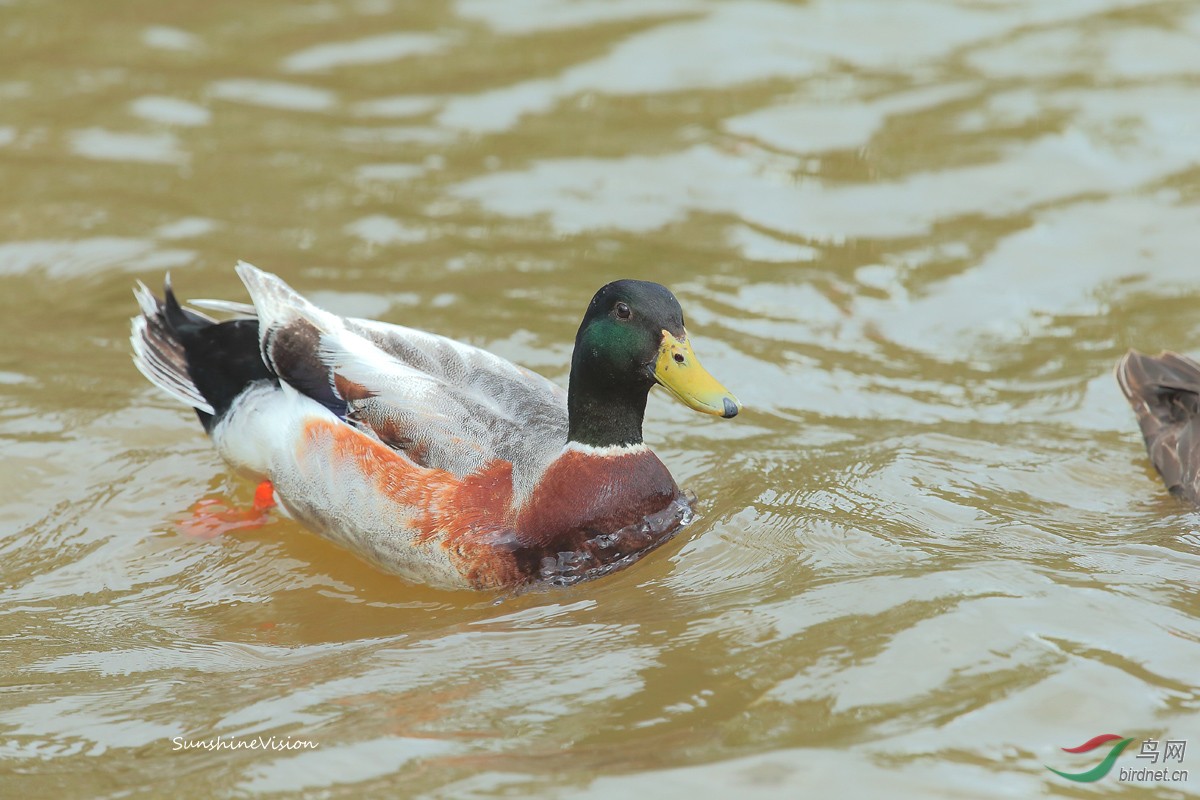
159, 356
225, 306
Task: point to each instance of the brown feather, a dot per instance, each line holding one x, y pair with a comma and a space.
1164, 392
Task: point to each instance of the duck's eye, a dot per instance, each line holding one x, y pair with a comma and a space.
623, 311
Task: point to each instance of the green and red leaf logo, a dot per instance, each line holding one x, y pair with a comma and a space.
1106, 764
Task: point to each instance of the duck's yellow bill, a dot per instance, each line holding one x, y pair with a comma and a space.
678, 370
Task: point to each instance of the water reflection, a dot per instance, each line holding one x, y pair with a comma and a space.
116, 146
170, 111
274, 94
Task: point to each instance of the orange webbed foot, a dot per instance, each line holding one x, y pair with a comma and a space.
212, 517
264, 496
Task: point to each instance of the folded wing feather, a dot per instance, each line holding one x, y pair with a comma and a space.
445, 404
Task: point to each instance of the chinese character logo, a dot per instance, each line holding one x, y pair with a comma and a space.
1173, 750
1104, 767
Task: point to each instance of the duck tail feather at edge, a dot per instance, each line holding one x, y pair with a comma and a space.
1164, 392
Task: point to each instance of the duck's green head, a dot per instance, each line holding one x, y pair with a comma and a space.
632, 337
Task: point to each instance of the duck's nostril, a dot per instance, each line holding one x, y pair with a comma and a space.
679, 358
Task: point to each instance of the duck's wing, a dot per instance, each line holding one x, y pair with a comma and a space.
1164, 391
445, 404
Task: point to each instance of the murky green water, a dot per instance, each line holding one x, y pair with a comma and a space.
913, 236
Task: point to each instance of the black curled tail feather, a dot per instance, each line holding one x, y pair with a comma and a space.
204, 363
1164, 391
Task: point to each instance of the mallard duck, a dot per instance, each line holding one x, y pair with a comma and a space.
1164, 391
432, 459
